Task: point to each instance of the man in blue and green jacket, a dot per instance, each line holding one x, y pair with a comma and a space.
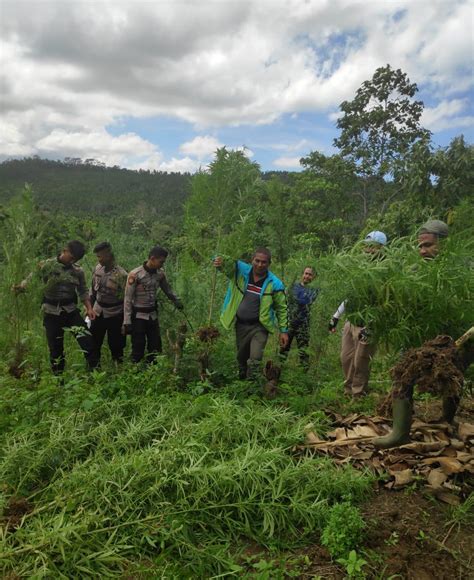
256, 303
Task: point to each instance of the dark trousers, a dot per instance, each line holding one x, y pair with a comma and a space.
116, 340
251, 341
301, 333
54, 325
145, 333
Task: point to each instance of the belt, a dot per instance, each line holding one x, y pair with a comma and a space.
109, 304
145, 309
59, 302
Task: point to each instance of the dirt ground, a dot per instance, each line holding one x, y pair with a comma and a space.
407, 538
410, 534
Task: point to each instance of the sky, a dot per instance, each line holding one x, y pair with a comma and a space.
162, 84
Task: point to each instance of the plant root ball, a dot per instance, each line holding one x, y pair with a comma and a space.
208, 333
436, 367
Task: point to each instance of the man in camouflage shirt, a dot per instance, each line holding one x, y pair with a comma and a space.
64, 282
107, 294
140, 306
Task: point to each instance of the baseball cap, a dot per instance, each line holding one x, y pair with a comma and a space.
376, 237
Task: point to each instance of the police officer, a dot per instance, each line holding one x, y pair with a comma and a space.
64, 282
107, 294
140, 306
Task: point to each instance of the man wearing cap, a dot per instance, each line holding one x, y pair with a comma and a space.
140, 306
429, 237
107, 294
356, 349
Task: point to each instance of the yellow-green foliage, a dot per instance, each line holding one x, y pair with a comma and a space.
404, 300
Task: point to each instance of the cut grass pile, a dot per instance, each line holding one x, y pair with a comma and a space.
171, 484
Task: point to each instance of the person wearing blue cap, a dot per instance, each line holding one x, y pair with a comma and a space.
356, 350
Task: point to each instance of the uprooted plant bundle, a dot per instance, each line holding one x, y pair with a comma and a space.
207, 335
402, 299
177, 340
272, 373
437, 367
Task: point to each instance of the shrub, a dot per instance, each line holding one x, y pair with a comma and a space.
343, 529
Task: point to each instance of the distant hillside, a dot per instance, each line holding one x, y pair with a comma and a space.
88, 187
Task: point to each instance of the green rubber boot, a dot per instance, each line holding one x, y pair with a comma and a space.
400, 435
450, 406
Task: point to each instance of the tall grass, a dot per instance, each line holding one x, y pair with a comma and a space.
402, 299
181, 486
20, 239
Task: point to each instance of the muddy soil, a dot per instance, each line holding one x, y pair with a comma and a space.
412, 537
409, 537
14, 511
437, 367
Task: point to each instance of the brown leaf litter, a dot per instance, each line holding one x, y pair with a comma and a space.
440, 455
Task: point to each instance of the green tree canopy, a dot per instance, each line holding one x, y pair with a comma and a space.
381, 123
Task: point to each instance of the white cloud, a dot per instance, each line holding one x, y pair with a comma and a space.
72, 68
447, 115
100, 145
201, 147
287, 162
301, 145
183, 165
11, 141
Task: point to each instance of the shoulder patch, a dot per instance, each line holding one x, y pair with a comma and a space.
131, 279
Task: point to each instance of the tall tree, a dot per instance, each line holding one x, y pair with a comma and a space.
278, 214
381, 123
439, 178
329, 205
220, 212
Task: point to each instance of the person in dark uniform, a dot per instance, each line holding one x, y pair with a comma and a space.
140, 306
64, 282
107, 295
300, 299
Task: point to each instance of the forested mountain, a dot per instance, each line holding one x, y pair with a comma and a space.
88, 187
387, 174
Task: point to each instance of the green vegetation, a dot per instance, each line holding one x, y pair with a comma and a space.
141, 472
158, 477
343, 530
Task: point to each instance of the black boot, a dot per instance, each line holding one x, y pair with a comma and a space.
450, 406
